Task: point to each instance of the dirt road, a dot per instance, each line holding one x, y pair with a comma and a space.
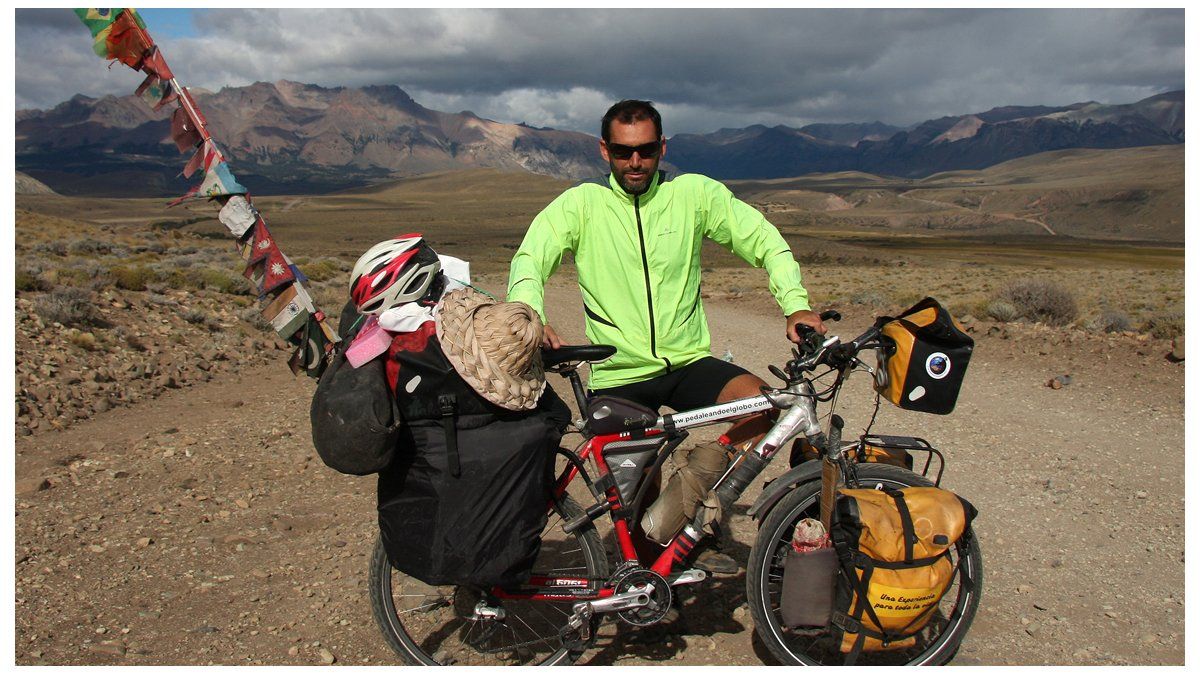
200, 527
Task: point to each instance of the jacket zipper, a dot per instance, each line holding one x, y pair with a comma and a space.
637, 214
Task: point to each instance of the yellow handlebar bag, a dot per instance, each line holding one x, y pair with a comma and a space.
894, 547
924, 367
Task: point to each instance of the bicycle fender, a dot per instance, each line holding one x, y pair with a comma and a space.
776, 489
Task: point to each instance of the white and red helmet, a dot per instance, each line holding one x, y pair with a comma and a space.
393, 272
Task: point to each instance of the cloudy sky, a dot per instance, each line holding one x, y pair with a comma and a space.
707, 69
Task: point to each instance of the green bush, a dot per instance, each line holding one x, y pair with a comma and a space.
321, 270
1164, 326
1041, 300
131, 278
29, 278
221, 281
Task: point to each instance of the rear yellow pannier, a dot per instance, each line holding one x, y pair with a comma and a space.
894, 549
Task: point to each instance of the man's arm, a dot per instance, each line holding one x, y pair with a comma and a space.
740, 228
551, 234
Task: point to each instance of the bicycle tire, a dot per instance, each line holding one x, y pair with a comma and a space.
937, 643
443, 635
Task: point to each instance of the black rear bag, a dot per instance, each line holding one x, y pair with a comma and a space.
466, 497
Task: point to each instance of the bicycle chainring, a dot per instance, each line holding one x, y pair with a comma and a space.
660, 596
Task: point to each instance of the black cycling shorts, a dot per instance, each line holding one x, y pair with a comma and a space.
693, 386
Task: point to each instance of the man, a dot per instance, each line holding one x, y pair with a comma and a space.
636, 237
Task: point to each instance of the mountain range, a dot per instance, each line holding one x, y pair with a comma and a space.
290, 137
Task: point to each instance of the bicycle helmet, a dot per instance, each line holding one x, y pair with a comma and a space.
392, 273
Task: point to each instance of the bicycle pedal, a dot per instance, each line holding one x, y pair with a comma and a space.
692, 576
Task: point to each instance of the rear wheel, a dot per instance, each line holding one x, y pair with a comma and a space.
936, 643
438, 625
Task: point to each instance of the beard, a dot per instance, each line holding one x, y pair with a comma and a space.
634, 187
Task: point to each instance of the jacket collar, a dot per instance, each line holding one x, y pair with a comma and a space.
658, 179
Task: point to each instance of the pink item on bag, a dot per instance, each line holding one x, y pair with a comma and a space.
370, 342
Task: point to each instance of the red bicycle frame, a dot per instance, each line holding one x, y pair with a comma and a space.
576, 588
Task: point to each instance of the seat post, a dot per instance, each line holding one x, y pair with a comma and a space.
580, 394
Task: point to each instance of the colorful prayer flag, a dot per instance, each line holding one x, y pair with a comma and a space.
201, 158
310, 355
237, 215
218, 181
261, 242
97, 19
291, 316
153, 89
183, 130
99, 22
154, 63
127, 40
276, 272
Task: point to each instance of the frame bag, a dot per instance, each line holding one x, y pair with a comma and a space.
924, 369
894, 549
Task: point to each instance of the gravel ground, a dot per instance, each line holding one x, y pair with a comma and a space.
199, 527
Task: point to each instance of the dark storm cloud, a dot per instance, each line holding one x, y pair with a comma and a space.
707, 68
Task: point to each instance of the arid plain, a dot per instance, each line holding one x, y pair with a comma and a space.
170, 508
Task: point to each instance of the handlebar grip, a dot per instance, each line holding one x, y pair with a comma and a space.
831, 315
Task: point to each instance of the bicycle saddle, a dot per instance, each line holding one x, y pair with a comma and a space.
567, 354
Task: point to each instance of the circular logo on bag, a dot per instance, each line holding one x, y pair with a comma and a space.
937, 365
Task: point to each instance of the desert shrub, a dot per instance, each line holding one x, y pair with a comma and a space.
131, 278
75, 277
201, 318
221, 281
321, 270
1164, 326
254, 317
68, 306
29, 278
871, 297
57, 248
1002, 310
89, 247
1112, 321
85, 341
161, 300
1041, 300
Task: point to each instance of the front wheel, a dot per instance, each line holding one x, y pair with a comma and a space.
936, 643
439, 625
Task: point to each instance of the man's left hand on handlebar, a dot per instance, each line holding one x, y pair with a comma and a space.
804, 317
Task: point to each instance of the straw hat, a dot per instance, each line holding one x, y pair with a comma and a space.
494, 346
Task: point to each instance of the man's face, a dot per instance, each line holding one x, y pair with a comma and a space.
623, 152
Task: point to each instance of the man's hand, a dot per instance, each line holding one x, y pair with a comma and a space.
550, 338
803, 317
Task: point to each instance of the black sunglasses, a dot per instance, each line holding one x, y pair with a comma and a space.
647, 150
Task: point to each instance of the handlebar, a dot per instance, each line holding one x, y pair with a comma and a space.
816, 350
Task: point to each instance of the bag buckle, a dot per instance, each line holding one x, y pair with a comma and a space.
846, 622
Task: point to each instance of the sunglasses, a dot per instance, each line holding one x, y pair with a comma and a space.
646, 151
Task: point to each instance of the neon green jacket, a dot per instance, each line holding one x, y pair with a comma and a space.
638, 260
